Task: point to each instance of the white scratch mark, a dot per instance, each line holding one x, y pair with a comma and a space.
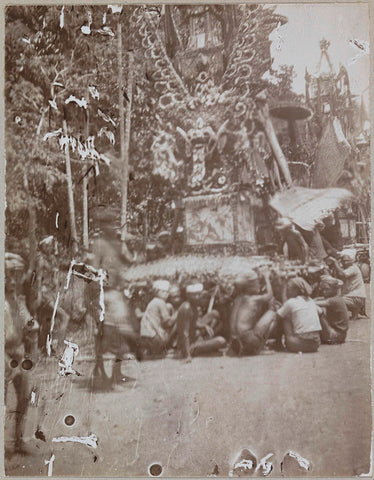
55, 133
62, 17
265, 465
68, 277
49, 336
80, 103
57, 216
34, 396
106, 117
115, 8
90, 441
53, 103
303, 462
108, 134
67, 359
86, 29
50, 465
94, 92
102, 276
245, 464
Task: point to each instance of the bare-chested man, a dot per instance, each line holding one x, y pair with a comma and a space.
250, 320
191, 338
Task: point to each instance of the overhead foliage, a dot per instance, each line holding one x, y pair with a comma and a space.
55, 52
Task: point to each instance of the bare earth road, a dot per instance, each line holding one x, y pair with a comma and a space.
194, 418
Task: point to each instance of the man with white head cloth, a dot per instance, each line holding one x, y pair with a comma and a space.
353, 290
189, 344
157, 321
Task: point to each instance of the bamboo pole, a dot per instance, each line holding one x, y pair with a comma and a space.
264, 117
73, 230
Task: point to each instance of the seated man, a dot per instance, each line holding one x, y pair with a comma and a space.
354, 293
188, 326
299, 318
157, 321
209, 324
250, 320
334, 320
174, 302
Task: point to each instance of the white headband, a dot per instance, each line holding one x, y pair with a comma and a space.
162, 285
349, 252
195, 288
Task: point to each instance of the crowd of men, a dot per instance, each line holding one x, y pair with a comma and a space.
184, 320
298, 320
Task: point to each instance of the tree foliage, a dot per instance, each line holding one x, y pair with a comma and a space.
50, 57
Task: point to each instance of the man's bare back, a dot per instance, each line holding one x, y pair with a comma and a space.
246, 311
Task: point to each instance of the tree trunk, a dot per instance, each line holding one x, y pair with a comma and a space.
125, 126
73, 230
32, 225
85, 191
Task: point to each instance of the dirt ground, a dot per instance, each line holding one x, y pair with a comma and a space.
193, 419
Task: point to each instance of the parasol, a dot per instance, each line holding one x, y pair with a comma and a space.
307, 206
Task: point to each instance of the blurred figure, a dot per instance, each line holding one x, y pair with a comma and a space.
117, 334
294, 245
106, 247
332, 232
16, 317
314, 240
41, 286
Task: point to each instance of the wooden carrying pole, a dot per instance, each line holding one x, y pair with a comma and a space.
73, 230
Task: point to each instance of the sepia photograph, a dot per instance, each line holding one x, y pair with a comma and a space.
187, 240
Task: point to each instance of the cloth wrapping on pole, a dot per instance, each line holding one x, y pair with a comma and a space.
331, 154
307, 206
